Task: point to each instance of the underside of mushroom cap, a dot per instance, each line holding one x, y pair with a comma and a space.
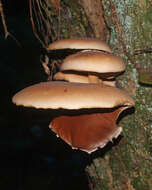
88, 132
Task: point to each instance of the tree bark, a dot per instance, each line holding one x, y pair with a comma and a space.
127, 164
94, 12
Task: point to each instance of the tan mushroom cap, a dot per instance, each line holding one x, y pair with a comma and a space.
77, 43
55, 95
70, 77
93, 61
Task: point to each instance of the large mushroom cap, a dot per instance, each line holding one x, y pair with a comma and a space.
93, 61
55, 95
79, 44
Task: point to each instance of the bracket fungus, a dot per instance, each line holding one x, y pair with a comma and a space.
79, 78
90, 102
71, 77
80, 44
67, 46
90, 110
98, 66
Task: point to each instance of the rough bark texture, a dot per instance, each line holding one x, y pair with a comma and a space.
94, 12
128, 164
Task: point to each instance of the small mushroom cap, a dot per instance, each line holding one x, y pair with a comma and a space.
55, 95
93, 61
70, 77
76, 43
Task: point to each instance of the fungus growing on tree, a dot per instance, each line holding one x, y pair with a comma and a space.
80, 44
62, 48
71, 77
89, 119
79, 78
96, 65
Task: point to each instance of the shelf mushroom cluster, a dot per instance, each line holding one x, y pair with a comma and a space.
85, 90
93, 64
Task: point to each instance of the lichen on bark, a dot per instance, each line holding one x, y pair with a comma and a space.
130, 161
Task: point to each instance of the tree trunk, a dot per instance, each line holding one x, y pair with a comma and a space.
128, 164
94, 12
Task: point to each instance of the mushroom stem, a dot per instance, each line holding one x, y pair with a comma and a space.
70, 77
93, 79
109, 83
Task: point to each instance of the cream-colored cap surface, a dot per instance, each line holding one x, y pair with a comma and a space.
70, 77
76, 43
93, 61
67, 95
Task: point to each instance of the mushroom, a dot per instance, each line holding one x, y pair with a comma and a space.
90, 114
71, 77
77, 43
95, 64
62, 48
88, 132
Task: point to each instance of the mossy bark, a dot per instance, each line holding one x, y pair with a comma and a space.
128, 164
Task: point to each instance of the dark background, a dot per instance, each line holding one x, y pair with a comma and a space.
31, 157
